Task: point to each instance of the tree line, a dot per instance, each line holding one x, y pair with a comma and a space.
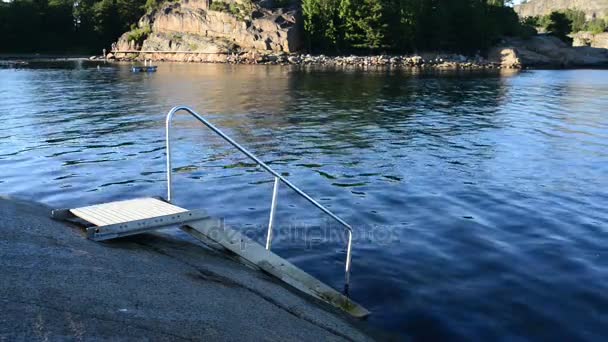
408, 25
330, 26
60, 26
561, 23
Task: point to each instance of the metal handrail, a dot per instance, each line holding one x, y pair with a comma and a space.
277, 179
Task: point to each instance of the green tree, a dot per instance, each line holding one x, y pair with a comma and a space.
65, 25
101, 22
559, 25
577, 19
23, 25
329, 25
106, 21
129, 12
401, 19
58, 22
321, 24
596, 26
363, 23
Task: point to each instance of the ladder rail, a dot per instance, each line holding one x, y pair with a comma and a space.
268, 169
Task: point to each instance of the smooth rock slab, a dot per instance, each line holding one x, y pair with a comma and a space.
56, 284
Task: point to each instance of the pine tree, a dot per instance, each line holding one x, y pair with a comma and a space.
321, 24
363, 23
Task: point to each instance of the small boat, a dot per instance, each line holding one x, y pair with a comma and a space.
148, 67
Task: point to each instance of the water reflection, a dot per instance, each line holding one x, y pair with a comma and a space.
478, 198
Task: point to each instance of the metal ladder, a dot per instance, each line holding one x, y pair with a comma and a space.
118, 219
277, 180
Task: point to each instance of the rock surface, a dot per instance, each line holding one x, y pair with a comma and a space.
222, 28
599, 40
430, 60
543, 51
57, 285
592, 8
546, 51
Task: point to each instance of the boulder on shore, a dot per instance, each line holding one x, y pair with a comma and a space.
546, 51
597, 40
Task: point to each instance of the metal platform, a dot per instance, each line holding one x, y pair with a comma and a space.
123, 218
126, 211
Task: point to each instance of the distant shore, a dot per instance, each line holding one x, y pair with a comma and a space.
429, 60
542, 51
41, 56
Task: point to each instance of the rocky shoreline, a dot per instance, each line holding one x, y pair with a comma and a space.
542, 51
261, 33
435, 61
416, 61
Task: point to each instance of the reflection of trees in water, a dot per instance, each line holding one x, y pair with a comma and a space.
244, 100
278, 109
223, 88
254, 102
361, 107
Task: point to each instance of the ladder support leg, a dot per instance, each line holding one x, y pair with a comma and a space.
273, 208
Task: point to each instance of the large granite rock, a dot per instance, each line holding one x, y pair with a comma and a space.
592, 8
239, 26
546, 51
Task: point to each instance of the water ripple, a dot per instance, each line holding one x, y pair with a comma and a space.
478, 199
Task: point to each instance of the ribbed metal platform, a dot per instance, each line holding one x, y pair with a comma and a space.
126, 211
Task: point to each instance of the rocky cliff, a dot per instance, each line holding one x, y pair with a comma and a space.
592, 8
212, 29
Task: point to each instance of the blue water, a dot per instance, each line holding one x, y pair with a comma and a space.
478, 199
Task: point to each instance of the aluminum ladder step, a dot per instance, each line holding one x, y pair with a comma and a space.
256, 254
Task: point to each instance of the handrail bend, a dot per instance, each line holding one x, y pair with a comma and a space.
278, 178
